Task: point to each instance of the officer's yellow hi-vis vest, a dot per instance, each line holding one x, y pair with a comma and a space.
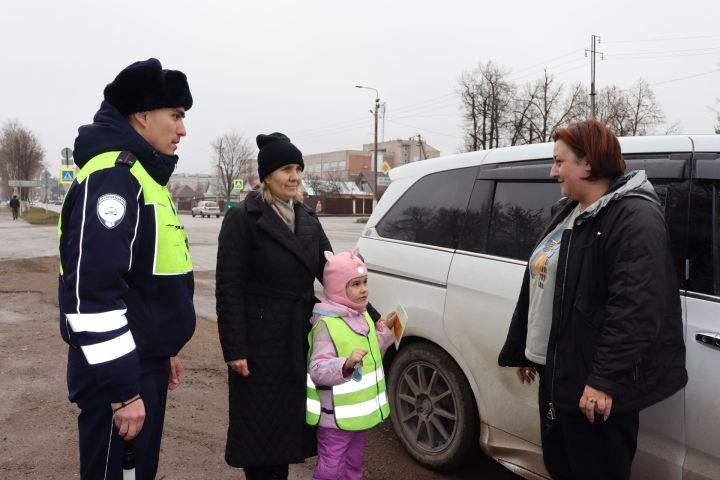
356, 405
171, 255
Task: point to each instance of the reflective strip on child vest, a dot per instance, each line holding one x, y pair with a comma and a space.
356, 405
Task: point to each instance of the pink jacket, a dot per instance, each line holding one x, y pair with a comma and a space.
327, 369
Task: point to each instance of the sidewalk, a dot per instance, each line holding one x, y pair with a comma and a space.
22, 240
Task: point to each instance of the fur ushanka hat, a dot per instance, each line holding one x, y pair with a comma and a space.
145, 86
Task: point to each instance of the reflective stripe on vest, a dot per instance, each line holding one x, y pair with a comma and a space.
171, 255
356, 405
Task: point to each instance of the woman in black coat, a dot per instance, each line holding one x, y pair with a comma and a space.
598, 315
270, 252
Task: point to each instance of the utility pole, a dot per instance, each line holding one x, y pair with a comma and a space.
422, 148
594, 41
375, 157
374, 166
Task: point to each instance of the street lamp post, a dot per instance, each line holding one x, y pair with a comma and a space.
374, 165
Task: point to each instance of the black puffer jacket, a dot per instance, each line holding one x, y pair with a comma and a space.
617, 320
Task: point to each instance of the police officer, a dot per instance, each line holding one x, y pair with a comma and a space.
126, 282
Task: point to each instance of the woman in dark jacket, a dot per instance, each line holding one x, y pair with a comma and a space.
270, 252
598, 317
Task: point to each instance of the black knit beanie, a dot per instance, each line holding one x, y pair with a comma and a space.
145, 86
276, 151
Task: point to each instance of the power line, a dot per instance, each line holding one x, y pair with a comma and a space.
650, 57
685, 78
684, 50
662, 39
426, 130
545, 62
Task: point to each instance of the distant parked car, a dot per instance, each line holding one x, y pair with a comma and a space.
206, 208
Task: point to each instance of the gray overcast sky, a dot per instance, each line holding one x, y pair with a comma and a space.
291, 66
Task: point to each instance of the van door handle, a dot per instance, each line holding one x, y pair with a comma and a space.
709, 339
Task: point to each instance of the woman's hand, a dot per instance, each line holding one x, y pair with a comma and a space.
240, 366
526, 374
594, 401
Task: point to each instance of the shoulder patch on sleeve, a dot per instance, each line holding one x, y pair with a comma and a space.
111, 210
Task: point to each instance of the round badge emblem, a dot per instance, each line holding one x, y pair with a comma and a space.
111, 210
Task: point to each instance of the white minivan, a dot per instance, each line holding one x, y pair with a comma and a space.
449, 241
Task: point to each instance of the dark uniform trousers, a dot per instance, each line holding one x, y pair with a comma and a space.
575, 449
94, 425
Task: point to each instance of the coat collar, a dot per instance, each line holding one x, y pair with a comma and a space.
297, 243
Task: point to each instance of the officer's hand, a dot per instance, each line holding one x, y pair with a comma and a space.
177, 373
130, 418
240, 366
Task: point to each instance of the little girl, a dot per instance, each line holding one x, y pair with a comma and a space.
346, 384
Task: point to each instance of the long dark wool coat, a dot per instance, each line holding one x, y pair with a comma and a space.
264, 291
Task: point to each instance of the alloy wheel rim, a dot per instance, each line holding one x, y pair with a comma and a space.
427, 408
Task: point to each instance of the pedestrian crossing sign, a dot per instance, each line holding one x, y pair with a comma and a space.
67, 175
238, 184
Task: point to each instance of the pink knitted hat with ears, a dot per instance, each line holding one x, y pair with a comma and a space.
339, 270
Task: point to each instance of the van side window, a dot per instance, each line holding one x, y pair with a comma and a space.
704, 238
432, 211
475, 233
520, 213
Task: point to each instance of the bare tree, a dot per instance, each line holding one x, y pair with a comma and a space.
486, 97
233, 159
520, 125
21, 156
542, 107
675, 129
314, 183
630, 112
329, 182
645, 112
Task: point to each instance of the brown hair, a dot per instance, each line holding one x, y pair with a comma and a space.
597, 144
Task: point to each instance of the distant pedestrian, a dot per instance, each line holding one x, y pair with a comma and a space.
126, 280
15, 205
346, 391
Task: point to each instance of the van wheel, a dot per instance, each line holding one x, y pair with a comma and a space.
432, 407
193, 215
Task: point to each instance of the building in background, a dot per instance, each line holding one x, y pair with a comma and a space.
355, 165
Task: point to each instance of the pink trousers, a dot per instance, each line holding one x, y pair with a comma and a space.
340, 454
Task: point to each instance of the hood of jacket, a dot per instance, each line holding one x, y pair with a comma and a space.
630, 184
110, 131
354, 319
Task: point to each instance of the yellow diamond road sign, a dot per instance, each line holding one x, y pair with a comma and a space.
385, 167
67, 175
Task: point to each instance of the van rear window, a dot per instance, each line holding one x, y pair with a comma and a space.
431, 211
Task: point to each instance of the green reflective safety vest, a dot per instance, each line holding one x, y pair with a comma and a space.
171, 255
356, 405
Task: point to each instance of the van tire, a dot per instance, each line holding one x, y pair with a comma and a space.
440, 443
